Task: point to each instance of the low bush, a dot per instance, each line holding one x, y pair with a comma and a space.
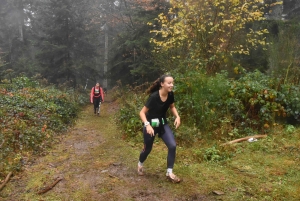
131, 101
227, 108
32, 115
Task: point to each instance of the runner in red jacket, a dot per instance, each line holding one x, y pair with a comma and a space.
97, 96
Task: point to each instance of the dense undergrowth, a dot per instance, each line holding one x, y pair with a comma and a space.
218, 108
32, 116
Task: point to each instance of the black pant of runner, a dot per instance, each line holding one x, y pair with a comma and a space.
169, 140
96, 101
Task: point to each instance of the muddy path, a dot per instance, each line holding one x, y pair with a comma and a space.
93, 162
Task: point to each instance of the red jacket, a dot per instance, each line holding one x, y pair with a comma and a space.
96, 95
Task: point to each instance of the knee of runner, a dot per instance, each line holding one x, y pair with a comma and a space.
172, 147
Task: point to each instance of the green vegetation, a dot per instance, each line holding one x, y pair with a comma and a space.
236, 74
31, 117
221, 108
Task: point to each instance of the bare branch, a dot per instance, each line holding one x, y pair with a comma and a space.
44, 190
244, 139
6, 180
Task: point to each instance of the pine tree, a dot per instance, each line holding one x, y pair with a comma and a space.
14, 42
133, 61
66, 43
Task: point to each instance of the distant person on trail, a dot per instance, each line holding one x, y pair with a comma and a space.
97, 96
153, 115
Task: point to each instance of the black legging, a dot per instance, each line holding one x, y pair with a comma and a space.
169, 140
96, 101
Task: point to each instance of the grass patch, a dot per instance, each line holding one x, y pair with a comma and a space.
264, 170
267, 169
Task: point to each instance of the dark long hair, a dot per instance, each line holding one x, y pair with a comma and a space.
156, 84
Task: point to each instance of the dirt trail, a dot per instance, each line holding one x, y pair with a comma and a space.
94, 164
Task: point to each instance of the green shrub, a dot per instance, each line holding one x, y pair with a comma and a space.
256, 93
131, 102
31, 117
289, 97
231, 108
212, 154
201, 99
264, 98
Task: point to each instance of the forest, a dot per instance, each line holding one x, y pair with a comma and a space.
235, 63
76, 43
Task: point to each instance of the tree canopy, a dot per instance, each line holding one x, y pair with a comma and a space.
64, 41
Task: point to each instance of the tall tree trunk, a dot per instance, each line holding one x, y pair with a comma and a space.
20, 19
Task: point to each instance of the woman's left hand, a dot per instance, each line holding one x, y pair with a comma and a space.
177, 122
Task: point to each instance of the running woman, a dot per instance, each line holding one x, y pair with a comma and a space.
153, 115
97, 96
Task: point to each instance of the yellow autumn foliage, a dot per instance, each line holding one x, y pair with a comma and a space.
210, 28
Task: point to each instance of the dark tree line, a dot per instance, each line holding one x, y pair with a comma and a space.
58, 39
64, 40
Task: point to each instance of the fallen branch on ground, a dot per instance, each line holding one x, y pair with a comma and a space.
50, 187
6, 180
2, 144
244, 139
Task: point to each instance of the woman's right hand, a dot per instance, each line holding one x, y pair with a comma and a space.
150, 130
